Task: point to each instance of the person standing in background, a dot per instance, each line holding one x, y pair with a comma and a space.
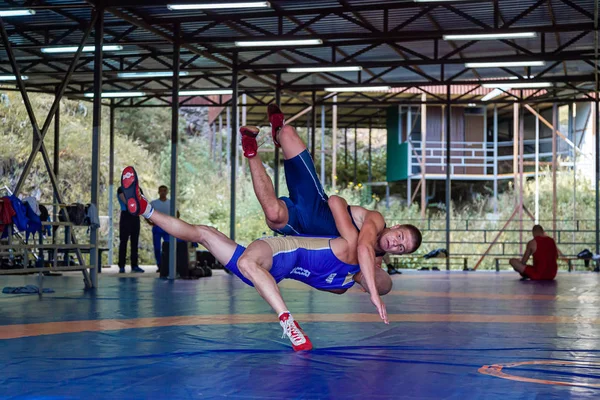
161, 204
129, 228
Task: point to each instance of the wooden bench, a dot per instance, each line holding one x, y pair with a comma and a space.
86, 250
33, 270
568, 259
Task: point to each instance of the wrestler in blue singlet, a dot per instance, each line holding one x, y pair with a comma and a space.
308, 260
308, 210
307, 206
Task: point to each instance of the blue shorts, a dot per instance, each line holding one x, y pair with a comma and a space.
279, 270
312, 262
308, 211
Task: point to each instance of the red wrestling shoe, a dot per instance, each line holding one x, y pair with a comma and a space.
277, 120
135, 200
249, 144
291, 329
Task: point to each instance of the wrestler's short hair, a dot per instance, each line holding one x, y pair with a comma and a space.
416, 235
537, 229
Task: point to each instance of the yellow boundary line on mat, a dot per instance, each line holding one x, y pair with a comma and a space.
54, 328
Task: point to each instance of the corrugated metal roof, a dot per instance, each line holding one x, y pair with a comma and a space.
350, 30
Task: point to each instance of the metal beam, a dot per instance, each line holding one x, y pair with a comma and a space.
234, 145
41, 133
313, 127
96, 135
554, 166
40, 142
174, 148
448, 174
276, 155
111, 184
202, 53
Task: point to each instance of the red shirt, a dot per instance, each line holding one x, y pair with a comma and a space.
544, 258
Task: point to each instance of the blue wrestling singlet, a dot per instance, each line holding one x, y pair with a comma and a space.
308, 260
307, 205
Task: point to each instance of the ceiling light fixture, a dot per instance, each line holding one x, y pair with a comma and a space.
301, 70
505, 64
12, 77
207, 92
492, 36
491, 95
516, 85
150, 74
359, 89
86, 49
214, 6
16, 13
117, 94
267, 43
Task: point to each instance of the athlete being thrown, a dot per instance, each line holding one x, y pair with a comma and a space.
309, 211
325, 264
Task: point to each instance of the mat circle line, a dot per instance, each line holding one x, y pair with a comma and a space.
496, 370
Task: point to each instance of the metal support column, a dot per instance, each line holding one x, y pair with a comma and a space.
597, 119
220, 143
111, 184
56, 163
234, 128
495, 158
323, 145
229, 137
355, 154
537, 169
516, 151
345, 148
174, 146
571, 133
96, 133
370, 176
334, 144
597, 154
308, 125
554, 161
276, 162
313, 133
448, 183
242, 122
423, 155
521, 173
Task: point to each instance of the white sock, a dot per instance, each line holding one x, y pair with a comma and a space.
148, 212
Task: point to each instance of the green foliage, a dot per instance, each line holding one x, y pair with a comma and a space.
142, 139
75, 158
151, 127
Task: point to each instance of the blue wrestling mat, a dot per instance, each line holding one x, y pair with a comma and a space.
476, 335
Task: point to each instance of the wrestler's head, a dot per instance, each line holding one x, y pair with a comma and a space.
537, 231
400, 239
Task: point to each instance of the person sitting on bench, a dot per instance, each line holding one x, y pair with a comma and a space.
544, 252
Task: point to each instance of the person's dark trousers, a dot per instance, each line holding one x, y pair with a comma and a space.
158, 236
129, 228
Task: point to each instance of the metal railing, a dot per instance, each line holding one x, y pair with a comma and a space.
464, 155
472, 237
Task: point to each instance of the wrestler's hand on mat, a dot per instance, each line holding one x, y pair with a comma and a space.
377, 302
